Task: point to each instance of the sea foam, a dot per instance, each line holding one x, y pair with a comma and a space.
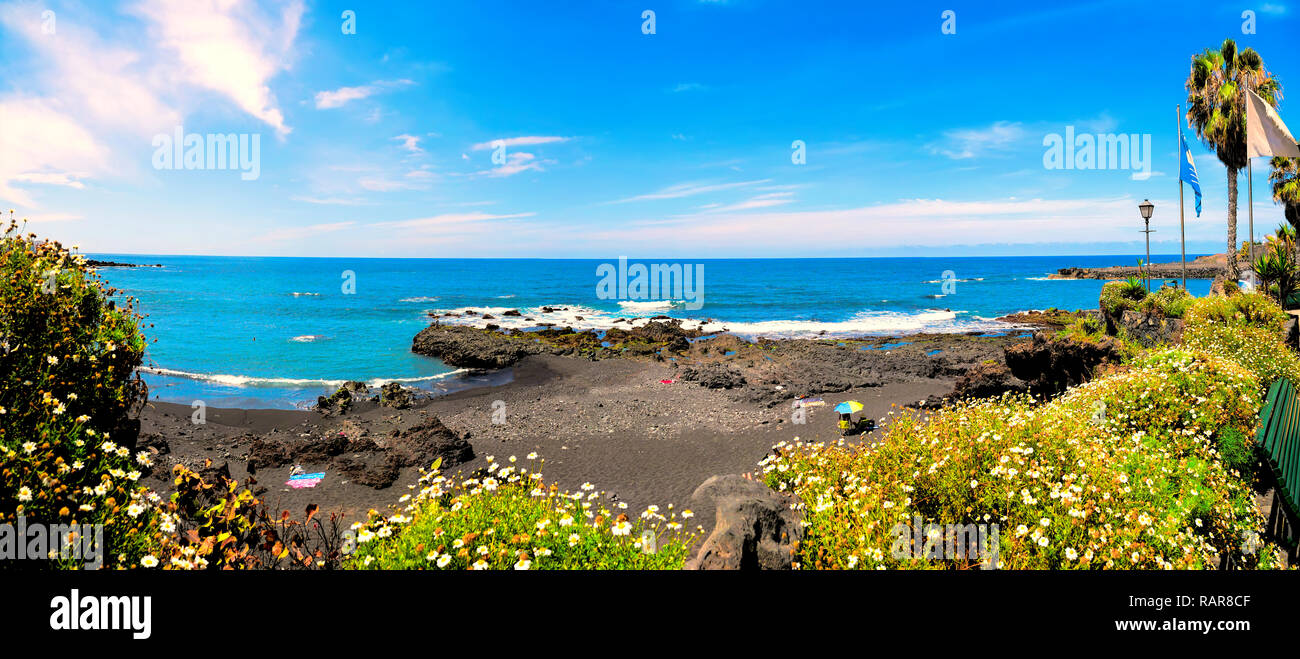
254, 381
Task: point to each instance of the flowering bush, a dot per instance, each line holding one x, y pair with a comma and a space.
509, 519
67, 355
1255, 348
1245, 329
1253, 309
1122, 472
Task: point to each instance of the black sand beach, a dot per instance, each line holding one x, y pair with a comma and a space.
610, 422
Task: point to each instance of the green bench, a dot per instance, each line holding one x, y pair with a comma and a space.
1279, 441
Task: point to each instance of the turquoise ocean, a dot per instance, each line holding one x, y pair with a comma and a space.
275, 332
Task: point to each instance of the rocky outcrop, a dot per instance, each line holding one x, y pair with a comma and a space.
395, 396
663, 331
987, 380
420, 445
1051, 364
1054, 318
668, 331
270, 453
713, 376
375, 462
468, 347
756, 528
1151, 330
341, 401
491, 348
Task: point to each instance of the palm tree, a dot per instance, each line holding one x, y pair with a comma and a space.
1276, 267
1283, 238
1216, 109
1286, 190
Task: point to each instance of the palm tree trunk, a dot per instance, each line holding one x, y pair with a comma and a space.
1234, 271
1291, 211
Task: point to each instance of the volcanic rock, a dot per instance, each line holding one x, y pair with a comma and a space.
1050, 364
713, 376
467, 347
987, 380
756, 528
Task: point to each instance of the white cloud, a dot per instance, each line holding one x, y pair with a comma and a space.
44, 146
229, 46
95, 80
688, 190
52, 178
449, 220
330, 201
326, 100
94, 96
969, 143
516, 162
410, 143
687, 87
341, 96
529, 140
760, 201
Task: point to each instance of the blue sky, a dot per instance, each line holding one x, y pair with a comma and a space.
675, 144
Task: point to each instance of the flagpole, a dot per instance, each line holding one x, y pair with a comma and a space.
1250, 192
1250, 212
1182, 234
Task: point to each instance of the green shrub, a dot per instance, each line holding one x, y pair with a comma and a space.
1118, 296
1125, 471
509, 519
1167, 302
67, 356
1084, 328
1243, 309
1236, 450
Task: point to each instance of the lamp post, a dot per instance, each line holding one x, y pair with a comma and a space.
1146, 208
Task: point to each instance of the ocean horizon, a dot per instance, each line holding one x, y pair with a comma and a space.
276, 332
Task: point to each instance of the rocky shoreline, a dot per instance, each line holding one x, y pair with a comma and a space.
1202, 267
94, 263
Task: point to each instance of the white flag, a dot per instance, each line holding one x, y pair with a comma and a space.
1266, 135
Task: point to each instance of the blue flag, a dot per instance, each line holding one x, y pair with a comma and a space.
1187, 171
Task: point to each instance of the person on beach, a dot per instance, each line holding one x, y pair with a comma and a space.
866, 424
846, 424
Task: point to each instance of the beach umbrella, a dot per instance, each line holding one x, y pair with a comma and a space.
849, 407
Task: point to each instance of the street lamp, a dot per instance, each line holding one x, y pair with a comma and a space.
1146, 208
